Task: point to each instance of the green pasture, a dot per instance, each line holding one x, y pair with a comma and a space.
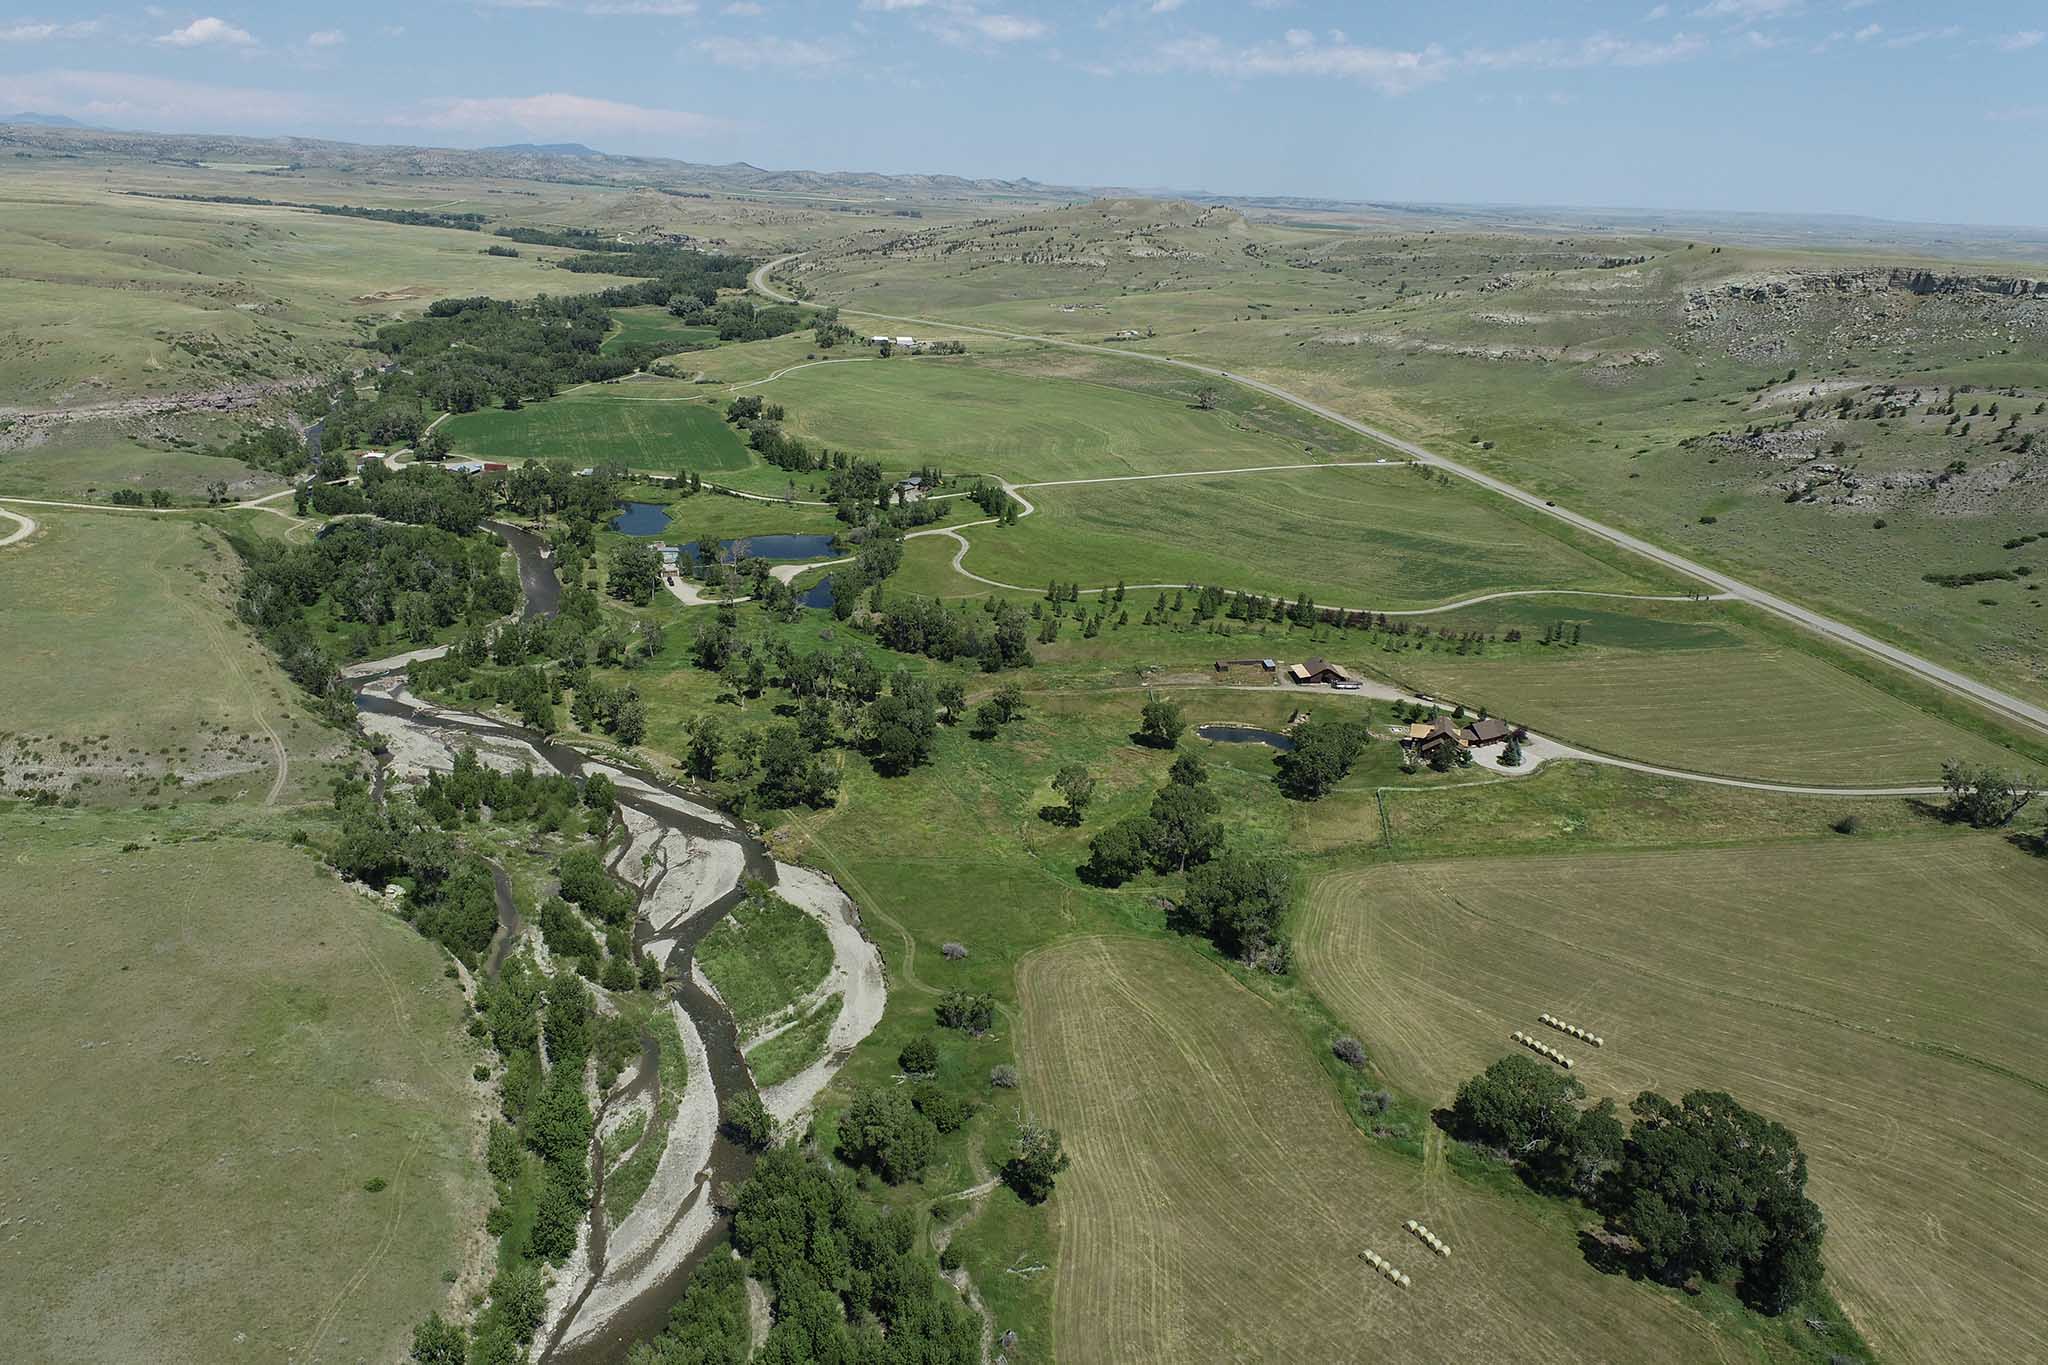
1360, 538
656, 327
1758, 706
764, 957
655, 426
97, 601
215, 1051
967, 417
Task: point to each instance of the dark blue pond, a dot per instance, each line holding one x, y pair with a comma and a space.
641, 519
766, 547
819, 594
1245, 734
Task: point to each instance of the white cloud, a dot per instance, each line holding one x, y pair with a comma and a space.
1388, 70
1923, 35
744, 9
1166, 6
2021, 41
772, 52
963, 23
1869, 31
208, 32
1601, 49
1746, 11
43, 33
556, 114
1760, 41
326, 37
677, 9
1657, 12
2019, 113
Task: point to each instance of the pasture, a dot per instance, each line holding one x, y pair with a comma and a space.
214, 1051
97, 603
654, 426
1220, 1197
1880, 997
1754, 707
1363, 538
973, 418
656, 327
764, 958
110, 295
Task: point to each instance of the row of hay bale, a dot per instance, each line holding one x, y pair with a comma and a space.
1381, 1264
1573, 1029
1429, 1239
1542, 1049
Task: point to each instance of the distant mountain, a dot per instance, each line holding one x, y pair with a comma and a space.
42, 120
546, 149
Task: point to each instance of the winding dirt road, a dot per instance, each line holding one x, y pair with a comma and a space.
2002, 703
25, 526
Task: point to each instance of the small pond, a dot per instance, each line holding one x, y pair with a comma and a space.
641, 519
819, 594
777, 547
1244, 734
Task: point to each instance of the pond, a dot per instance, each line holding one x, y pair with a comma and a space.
1244, 734
819, 594
777, 547
641, 519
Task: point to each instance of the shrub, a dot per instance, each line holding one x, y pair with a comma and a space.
971, 1012
953, 952
1848, 824
1003, 1077
920, 1057
1349, 1051
747, 1121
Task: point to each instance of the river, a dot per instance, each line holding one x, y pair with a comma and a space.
611, 1296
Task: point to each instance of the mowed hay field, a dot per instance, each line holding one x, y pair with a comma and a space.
1364, 538
1220, 1198
1882, 998
644, 424
1015, 425
1755, 708
212, 1050
118, 629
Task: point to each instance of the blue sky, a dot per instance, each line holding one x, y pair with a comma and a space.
1884, 107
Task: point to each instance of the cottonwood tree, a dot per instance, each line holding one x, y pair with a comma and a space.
1036, 1160
1161, 724
1984, 797
1075, 785
1323, 753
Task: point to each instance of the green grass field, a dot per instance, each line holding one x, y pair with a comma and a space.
650, 425
1220, 1197
213, 1049
1754, 706
764, 957
99, 600
969, 417
85, 461
1363, 538
656, 327
1878, 996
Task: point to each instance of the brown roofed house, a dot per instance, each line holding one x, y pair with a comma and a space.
1426, 737
1314, 671
1487, 730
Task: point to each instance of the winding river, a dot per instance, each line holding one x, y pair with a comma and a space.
619, 1288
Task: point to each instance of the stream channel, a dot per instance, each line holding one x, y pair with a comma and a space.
649, 1277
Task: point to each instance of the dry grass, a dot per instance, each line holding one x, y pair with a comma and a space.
1882, 999
1219, 1198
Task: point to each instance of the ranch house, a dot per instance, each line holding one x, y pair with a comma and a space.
1316, 672
1486, 730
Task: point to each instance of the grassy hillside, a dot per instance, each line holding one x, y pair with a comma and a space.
215, 1054
650, 425
1879, 997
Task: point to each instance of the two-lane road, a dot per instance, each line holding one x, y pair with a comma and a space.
1993, 699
